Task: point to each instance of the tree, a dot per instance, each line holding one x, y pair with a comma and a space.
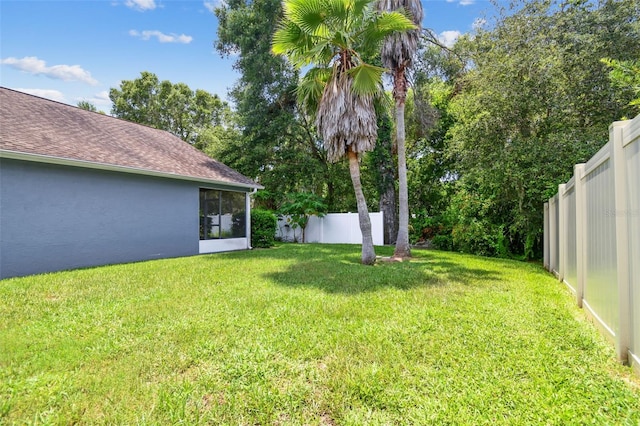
334, 36
300, 206
276, 143
88, 106
625, 75
382, 164
397, 54
536, 101
172, 107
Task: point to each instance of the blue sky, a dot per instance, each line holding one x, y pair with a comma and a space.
77, 49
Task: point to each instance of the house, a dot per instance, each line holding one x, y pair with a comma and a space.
79, 189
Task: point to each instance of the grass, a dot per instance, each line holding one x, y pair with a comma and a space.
303, 334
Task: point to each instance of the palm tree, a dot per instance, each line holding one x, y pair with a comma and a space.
333, 36
397, 55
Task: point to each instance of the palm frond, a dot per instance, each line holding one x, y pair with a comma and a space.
385, 24
366, 79
345, 120
337, 12
322, 53
412, 8
361, 6
399, 49
309, 15
335, 35
310, 89
400, 46
290, 40
341, 39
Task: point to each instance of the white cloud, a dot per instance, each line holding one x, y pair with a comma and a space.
54, 95
462, 2
141, 5
104, 96
35, 66
101, 98
448, 38
162, 38
212, 5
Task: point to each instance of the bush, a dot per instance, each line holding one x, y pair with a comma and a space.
436, 229
263, 228
442, 242
480, 237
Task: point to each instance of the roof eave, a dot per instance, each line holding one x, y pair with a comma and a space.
39, 158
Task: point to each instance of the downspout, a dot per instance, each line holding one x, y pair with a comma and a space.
248, 216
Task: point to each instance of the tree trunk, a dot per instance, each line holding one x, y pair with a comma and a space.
385, 172
402, 243
368, 252
389, 209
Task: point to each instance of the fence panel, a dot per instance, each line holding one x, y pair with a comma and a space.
334, 228
570, 258
592, 237
601, 284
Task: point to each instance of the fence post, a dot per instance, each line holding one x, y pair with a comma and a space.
553, 234
623, 338
562, 229
545, 241
581, 229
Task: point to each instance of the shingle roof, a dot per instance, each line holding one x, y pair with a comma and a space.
40, 127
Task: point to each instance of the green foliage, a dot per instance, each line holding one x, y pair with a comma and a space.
299, 206
302, 334
314, 31
274, 142
264, 199
535, 99
336, 38
382, 163
339, 36
263, 228
86, 105
478, 237
426, 228
431, 167
270, 138
190, 115
625, 75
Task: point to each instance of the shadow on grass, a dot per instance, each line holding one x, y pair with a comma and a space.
337, 269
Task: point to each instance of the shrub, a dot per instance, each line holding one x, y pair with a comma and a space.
436, 229
442, 242
263, 228
480, 237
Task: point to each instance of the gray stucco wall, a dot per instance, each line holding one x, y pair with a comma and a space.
56, 217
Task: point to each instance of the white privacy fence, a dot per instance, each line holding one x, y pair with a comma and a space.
592, 237
333, 228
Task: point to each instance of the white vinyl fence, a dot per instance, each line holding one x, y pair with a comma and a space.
592, 238
333, 228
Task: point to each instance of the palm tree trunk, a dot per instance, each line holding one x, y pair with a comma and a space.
402, 243
368, 252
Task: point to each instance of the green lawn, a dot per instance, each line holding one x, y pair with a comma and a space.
303, 334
